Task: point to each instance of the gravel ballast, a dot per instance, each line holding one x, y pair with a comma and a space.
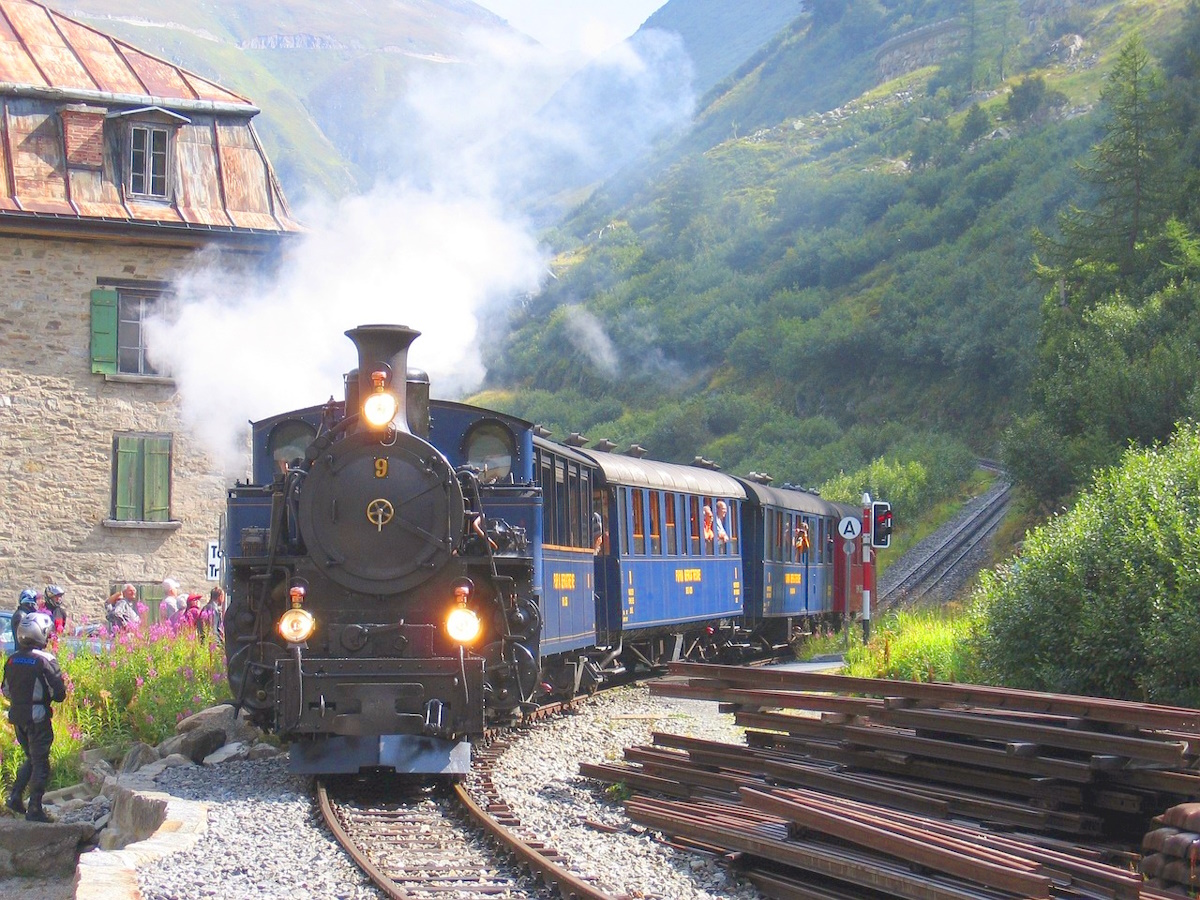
265, 840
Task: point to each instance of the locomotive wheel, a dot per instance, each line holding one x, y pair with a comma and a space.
511, 673
252, 676
524, 620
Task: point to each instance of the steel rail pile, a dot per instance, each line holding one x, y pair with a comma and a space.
853, 781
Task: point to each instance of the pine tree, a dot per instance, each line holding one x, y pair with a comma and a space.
1129, 169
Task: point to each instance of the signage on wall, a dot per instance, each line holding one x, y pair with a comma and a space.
213, 572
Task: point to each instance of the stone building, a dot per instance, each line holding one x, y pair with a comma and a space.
116, 169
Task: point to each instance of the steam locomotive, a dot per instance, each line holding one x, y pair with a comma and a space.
404, 573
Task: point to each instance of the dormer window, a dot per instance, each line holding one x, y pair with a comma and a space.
148, 137
148, 161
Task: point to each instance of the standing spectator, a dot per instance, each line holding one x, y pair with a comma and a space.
189, 616
26, 604
120, 610
32, 681
172, 601
212, 616
54, 607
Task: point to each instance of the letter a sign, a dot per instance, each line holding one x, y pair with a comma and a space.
850, 528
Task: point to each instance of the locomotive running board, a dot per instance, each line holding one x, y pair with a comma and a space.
406, 754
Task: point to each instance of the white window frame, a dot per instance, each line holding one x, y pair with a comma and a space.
148, 163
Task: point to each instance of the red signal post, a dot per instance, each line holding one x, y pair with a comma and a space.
868, 567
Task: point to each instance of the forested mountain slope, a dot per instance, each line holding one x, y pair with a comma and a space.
837, 262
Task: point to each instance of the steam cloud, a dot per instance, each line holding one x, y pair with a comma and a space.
439, 244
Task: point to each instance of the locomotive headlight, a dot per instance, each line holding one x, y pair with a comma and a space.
380, 408
462, 625
296, 625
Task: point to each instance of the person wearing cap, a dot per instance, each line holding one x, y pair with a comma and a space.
189, 616
26, 604
32, 682
54, 607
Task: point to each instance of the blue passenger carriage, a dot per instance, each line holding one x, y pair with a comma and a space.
790, 555
669, 571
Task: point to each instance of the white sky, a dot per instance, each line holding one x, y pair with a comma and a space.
585, 27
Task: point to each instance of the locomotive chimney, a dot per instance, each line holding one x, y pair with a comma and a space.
384, 347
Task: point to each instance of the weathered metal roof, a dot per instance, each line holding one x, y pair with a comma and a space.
41, 48
68, 95
785, 498
629, 470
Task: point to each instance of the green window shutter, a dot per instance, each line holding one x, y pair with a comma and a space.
127, 479
104, 331
158, 479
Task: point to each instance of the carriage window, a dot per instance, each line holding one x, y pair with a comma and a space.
706, 530
562, 513
549, 508
655, 524
583, 507
694, 525
600, 542
639, 522
623, 519
671, 546
731, 525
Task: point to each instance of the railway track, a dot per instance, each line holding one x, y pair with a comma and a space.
940, 559
461, 840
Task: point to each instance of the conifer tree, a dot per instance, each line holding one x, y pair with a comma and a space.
1128, 169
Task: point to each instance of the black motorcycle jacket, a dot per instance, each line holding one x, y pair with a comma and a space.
32, 681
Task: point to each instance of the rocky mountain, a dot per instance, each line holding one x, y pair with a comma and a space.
355, 92
324, 73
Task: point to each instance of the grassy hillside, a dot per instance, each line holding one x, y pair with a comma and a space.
720, 36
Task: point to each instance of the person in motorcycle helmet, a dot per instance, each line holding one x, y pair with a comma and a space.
27, 604
32, 682
54, 606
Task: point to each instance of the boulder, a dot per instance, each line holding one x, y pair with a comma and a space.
236, 750
139, 755
263, 751
195, 743
236, 724
39, 850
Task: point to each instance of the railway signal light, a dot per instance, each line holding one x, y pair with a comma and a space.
881, 524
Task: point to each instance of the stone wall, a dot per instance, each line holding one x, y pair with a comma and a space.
57, 421
932, 44
918, 48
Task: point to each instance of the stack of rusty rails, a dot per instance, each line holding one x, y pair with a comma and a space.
1072, 782
805, 839
1171, 852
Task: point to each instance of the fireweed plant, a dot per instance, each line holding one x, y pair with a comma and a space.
122, 688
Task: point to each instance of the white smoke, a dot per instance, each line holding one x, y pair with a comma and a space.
431, 246
587, 335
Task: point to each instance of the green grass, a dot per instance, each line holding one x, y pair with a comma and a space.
918, 645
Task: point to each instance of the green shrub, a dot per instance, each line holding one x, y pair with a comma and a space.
1105, 598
